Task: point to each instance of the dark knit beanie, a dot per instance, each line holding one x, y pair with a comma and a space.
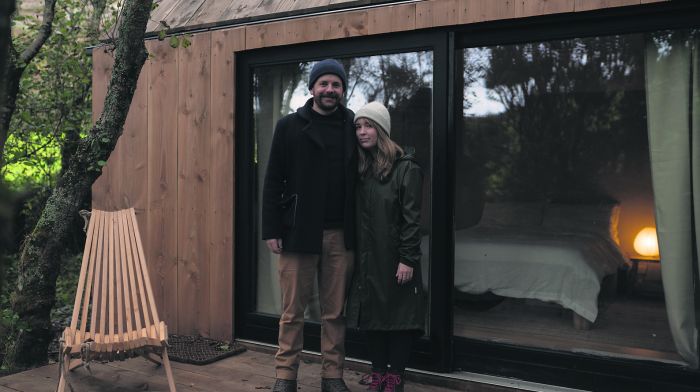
327, 66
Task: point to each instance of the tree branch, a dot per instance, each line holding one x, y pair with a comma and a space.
44, 33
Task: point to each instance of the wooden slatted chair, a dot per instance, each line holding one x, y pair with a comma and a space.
114, 294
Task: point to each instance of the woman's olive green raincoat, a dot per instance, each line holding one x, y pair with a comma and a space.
388, 231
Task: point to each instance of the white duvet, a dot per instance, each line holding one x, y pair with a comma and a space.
560, 267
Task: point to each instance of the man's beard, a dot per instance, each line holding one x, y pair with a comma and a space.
328, 108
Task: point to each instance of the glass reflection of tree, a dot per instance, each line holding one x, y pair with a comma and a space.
403, 83
573, 108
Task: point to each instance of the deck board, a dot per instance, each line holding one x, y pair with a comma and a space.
249, 371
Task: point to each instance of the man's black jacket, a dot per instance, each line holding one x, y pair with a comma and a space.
294, 191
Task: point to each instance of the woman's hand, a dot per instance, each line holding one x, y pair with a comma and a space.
404, 273
275, 245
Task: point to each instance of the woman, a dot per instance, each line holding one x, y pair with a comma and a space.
386, 298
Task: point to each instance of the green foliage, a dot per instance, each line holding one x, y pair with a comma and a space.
68, 281
179, 40
55, 95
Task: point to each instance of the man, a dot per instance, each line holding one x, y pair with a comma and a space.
308, 213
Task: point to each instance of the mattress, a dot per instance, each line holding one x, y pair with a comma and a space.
566, 268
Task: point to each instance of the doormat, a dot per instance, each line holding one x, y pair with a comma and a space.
198, 350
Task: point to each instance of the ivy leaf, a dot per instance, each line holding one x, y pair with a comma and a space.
161, 35
186, 42
101, 163
174, 42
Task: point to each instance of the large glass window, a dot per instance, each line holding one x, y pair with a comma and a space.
553, 186
402, 82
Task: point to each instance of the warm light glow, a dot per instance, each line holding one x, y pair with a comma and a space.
645, 243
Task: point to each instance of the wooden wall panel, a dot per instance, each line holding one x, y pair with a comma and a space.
653, 1
101, 72
344, 25
298, 31
162, 179
133, 156
588, 5
524, 8
437, 13
473, 11
194, 155
221, 192
294, 31
267, 34
391, 19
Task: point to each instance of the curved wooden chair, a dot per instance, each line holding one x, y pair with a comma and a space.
114, 294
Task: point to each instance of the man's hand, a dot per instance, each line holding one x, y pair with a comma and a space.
275, 245
404, 273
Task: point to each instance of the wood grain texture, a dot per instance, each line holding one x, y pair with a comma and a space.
524, 8
102, 62
184, 12
391, 19
133, 155
159, 14
241, 9
435, 13
295, 5
212, 13
473, 11
588, 5
162, 178
294, 31
193, 185
653, 1
224, 43
344, 24
175, 13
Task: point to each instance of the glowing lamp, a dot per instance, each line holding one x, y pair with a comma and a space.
645, 243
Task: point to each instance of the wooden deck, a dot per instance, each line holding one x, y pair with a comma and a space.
249, 371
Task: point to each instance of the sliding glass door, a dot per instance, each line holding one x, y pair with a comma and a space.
403, 80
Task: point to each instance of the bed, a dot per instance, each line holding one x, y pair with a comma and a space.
555, 252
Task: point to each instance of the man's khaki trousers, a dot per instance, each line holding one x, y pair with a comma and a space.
297, 272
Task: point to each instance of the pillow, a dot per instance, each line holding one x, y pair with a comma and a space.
601, 218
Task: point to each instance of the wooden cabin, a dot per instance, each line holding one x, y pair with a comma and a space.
533, 120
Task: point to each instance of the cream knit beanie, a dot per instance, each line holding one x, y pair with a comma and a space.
376, 112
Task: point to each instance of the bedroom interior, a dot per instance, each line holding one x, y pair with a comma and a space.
554, 197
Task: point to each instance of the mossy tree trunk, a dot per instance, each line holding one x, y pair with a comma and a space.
40, 262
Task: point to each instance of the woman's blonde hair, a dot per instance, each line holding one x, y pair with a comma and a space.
387, 151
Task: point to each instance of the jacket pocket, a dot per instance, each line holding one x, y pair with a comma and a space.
288, 207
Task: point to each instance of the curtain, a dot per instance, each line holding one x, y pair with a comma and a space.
673, 119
